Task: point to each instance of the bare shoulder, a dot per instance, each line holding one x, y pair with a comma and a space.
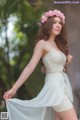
43, 46
40, 45
46, 48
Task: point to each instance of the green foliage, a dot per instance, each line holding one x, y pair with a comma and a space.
16, 50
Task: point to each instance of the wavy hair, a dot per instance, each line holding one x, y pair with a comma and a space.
44, 33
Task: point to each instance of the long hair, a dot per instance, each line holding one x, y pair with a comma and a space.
44, 33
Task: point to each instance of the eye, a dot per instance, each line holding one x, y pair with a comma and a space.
60, 23
54, 22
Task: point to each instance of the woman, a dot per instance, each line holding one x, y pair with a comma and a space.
55, 100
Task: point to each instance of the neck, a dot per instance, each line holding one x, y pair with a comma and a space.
52, 38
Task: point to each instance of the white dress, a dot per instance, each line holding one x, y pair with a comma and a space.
53, 92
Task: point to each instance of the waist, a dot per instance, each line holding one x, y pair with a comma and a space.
63, 71
57, 75
55, 69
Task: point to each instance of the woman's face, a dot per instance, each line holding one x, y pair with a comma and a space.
57, 26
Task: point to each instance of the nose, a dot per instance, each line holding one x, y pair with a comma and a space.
58, 25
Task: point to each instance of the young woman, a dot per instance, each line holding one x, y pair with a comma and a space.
55, 100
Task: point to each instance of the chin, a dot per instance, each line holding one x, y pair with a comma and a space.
56, 34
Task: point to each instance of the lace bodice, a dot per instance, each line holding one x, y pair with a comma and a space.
54, 61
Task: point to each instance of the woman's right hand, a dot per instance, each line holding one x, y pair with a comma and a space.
9, 94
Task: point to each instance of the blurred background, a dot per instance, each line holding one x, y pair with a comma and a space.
18, 29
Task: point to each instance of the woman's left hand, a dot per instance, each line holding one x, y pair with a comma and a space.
69, 58
43, 70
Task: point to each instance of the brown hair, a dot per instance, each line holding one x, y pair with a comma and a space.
45, 32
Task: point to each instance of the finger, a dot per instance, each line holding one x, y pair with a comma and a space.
4, 95
67, 62
8, 95
71, 56
69, 59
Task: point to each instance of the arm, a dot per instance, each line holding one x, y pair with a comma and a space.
37, 54
38, 51
69, 59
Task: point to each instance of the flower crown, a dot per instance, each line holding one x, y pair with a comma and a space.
51, 13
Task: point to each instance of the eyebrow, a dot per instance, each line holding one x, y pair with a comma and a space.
57, 20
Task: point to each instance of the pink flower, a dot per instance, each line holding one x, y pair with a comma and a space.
59, 14
51, 13
47, 14
62, 15
43, 19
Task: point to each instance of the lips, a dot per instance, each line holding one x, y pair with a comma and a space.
58, 30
